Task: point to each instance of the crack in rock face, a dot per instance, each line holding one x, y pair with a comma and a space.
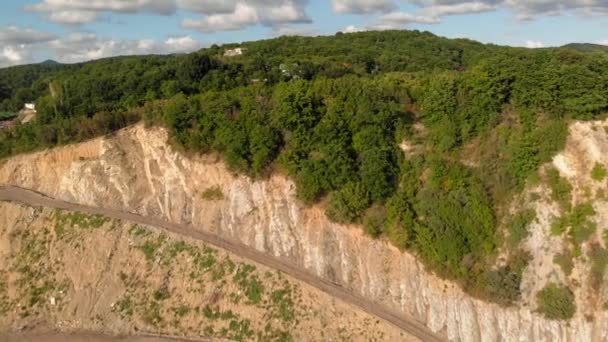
135, 170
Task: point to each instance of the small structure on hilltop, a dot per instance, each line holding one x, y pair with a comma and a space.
235, 52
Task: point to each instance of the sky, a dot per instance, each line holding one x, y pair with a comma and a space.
78, 30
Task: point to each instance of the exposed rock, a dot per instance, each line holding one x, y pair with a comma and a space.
136, 170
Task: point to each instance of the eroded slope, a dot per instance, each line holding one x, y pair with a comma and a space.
136, 170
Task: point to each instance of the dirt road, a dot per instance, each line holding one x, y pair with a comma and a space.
407, 324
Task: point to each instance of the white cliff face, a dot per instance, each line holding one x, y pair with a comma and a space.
136, 170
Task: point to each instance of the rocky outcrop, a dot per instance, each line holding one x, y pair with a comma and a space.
136, 170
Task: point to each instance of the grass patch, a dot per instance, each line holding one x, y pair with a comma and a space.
561, 190
564, 260
137, 230
578, 225
65, 220
284, 304
161, 294
518, 226
213, 193
249, 283
124, 307
599, 260
151, 247
556, 302
598, 173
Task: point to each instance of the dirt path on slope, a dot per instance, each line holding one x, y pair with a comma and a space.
407, 324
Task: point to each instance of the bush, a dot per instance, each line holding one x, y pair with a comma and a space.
347, 204
518, 226
213, 193
560, 188
564, 260
599, 261
374, 220
503, 285
556, 302
598, 173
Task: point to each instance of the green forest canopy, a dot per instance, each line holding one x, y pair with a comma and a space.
331, 112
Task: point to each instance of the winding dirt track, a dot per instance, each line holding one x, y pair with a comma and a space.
407, 324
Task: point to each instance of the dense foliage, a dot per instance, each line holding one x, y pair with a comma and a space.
479, 120
556, 302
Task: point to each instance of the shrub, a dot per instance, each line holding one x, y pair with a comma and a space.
213, 193
598, 172
347, 204
518, 226
599, 260
374, 220
503, 285
560, 188
564, 260
556, 302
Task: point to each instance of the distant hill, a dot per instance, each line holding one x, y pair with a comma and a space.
50, 62
587, 47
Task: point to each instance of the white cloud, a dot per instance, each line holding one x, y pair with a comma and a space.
72, 17
603, 42
295, 31
182, 44
243, 16
459, 8
15, 44
13, 35
249, 13
352, 29
362, 6
523, 9
397, 20
165, 7
207, 6
84, 46
532, 44
13, 55
218, 15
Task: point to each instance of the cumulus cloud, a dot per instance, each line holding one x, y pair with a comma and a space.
218, 15
85, 11
13, 55
279, 31
15, 42
362, 6
352, 29
439, 10
18, 45
533, 44
84, 46
523, 9
397, 20
13, 35
253, 12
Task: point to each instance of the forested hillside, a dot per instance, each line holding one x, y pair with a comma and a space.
476, 122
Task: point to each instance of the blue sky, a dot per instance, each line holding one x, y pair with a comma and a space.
77, 30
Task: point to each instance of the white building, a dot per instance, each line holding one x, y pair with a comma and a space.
30, 106
234, 52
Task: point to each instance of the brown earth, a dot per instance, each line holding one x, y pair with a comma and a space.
71, 272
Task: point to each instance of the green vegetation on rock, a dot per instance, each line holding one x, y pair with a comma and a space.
598, 173
556, 302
